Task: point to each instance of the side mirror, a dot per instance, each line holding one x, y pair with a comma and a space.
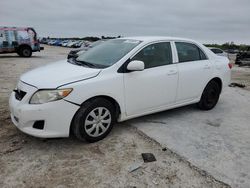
136, 65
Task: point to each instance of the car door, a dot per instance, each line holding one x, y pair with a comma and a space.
156, 85
195, 70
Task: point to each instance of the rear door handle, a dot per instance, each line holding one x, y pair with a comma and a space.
206, 67
172, 72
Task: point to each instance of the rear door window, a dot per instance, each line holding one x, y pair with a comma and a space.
189, 52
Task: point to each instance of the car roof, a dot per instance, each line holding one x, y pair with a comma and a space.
157, 38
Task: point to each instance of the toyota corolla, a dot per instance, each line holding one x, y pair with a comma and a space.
117, 80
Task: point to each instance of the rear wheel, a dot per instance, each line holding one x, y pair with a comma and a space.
210, 96
94, 120
25, 51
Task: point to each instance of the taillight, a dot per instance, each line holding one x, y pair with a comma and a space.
230, 65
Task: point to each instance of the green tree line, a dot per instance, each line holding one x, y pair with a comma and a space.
230, 45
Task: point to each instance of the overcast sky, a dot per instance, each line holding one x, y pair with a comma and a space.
204, 20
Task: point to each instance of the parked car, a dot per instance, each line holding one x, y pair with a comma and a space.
232, 51
64, 43
243, 58
57, 43
78, 44
43, 41
20, 40
115, 81
70, 43
51, 42
60, 43
219, 52
76, 52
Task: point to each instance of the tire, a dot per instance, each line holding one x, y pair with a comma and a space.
87, 123
210, 96
25, 51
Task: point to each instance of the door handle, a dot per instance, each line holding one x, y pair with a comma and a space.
206, 67
172, 72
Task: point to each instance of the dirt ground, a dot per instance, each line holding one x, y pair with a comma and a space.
240, 75
26, 161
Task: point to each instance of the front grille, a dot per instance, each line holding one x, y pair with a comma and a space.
19, 94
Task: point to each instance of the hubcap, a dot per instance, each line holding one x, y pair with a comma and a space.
97, 121
26, 52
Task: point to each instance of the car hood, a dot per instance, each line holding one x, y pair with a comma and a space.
57, 74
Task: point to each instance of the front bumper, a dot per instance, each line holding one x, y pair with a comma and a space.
56, 115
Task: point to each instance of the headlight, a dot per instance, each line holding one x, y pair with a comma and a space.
44, 96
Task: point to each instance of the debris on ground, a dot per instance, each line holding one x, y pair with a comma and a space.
164, 149
135, 166
155, 182
171, 178
148, 157
12, 150
237, 85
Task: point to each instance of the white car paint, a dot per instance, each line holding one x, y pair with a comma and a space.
154, 84
55, 75
196, 72
137, 93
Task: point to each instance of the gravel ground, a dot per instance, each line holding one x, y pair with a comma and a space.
26, 161
216, 141
241, 75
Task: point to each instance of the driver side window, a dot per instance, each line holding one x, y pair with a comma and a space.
155, 55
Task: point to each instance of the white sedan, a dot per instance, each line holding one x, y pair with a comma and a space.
219, 51
117, 80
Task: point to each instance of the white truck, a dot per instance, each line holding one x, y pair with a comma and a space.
20, 40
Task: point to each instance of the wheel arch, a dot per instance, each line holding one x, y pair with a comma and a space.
24, 46
217, 80
110, 99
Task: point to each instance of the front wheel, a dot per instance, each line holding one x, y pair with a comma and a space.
210, 96
94, 120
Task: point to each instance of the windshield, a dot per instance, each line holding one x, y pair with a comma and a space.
96, 43
108, 53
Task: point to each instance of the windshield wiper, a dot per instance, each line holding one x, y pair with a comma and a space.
81, 63
86, 63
